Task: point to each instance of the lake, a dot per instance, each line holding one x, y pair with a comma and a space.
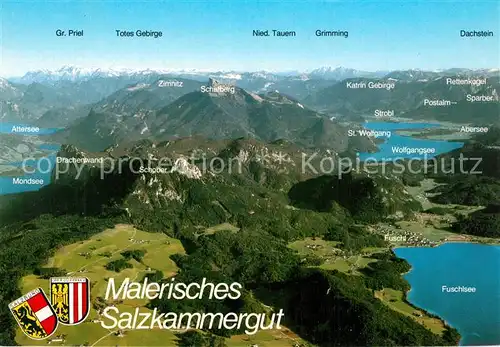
42, 166
394, 146
475, 315
42, 170
7, 128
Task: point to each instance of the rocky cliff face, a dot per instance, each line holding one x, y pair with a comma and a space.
216, 84
73, 164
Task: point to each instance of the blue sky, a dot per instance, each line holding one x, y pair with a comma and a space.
217, 35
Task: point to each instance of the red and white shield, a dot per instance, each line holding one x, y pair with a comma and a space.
35, 316
70, 297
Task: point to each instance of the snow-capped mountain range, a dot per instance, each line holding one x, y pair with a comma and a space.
74, 73
340, 72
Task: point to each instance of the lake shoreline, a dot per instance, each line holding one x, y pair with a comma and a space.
446, 325
429, 271
493, 242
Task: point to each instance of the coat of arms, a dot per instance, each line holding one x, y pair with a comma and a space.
34, 314
70, 297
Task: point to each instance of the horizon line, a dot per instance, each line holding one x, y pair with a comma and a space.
124, 69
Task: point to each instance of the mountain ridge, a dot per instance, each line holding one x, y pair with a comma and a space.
76, 73
266, 117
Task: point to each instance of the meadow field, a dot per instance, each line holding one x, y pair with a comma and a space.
334, 258
89, 258
395, 300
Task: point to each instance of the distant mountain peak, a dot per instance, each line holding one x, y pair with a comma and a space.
341, 73
257, 81
212, 82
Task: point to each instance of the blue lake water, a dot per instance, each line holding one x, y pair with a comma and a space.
6, 128
42, 167
36, 169
393, 146
475, 315
50, 147
387, 149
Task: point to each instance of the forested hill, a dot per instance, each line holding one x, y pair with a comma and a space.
152, 113
490, 138
471, 176
407, 98
268, 206
485, 222
249, 176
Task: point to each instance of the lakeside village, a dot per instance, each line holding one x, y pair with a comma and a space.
396, 234
404, 237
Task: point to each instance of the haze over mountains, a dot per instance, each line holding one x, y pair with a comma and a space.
407, 97
154, 115
74, 73
147, 111
108, 106
324, 173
